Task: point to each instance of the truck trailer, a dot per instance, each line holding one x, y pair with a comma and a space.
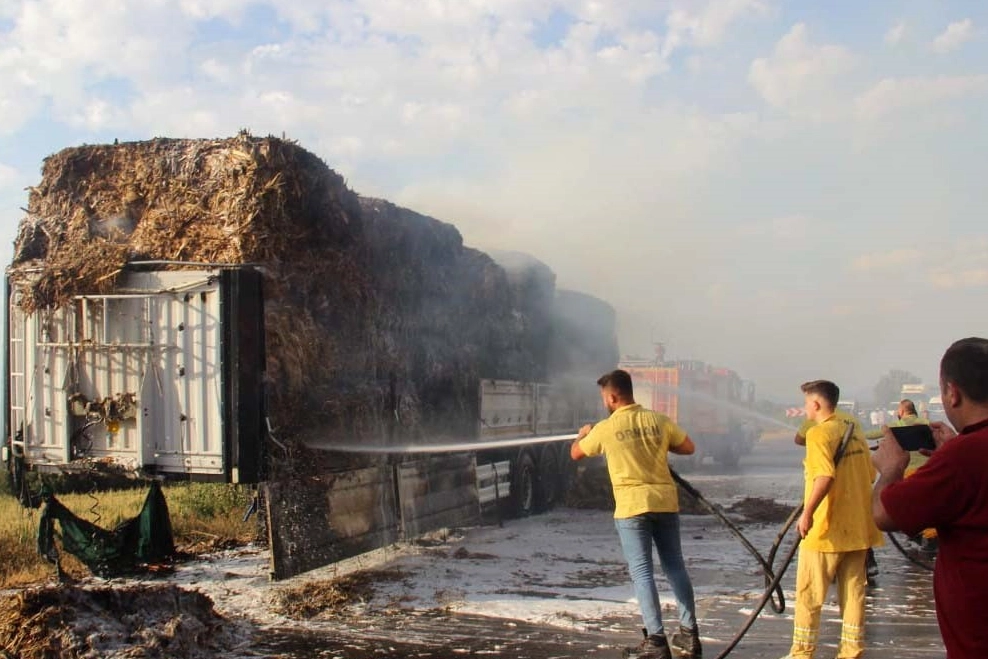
229, 310
164, 378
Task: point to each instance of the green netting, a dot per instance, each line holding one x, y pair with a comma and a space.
144, 539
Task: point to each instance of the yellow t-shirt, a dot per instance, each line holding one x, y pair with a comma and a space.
840, 414
842, 522
636, 443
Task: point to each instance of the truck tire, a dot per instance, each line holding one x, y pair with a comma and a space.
729, 453
567, 471
523, 490
550, 479
688, 463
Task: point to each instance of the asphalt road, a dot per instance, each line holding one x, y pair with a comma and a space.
901, 621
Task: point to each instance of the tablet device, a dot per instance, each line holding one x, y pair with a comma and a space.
913, 438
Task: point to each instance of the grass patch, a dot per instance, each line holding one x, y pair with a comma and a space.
204, 517
21, 564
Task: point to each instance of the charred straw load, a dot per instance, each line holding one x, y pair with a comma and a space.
379, 321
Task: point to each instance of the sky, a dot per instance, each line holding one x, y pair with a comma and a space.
789, 188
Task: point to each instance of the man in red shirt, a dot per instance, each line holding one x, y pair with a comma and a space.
949, 493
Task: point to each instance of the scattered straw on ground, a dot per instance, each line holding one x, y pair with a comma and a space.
332, 596
759, 509
464, 553
136, 621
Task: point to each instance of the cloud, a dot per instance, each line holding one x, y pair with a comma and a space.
896, 94
955, 36
801, 77
887, 260
708, 26
11, 179
970, 278
8, 175
895, 34
964, 266
54, 54
614, 140
958, 266
787, 229
844, 309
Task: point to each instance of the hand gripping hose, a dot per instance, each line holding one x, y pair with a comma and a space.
773, 581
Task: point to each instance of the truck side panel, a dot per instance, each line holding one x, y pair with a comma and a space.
164, 376
318, 521
438, 492
507, 409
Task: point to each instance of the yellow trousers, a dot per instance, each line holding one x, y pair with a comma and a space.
814, 574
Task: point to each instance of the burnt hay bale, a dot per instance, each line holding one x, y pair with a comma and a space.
379, 321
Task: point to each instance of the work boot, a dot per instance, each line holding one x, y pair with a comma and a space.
871, 569
653, 647
687, 641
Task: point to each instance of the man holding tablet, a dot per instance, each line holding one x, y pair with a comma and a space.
949, 493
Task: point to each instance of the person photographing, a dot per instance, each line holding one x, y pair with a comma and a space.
636, 444
950, 494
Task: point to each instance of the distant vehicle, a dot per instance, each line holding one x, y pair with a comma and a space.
712, 404
849, 406
934, 409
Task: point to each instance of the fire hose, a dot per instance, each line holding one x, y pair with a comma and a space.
773, 580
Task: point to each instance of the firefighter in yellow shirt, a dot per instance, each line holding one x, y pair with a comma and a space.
871, 563
636, 444
836, 525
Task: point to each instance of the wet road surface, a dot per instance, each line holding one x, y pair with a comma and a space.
901, 622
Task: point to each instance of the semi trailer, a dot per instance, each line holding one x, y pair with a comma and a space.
165, 378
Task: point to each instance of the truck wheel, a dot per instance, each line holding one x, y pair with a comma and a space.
567, 471
729, 455
549, 478
523, 484
688, 463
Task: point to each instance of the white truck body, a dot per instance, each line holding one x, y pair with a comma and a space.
141, 378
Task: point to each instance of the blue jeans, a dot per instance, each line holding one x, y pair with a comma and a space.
637, 535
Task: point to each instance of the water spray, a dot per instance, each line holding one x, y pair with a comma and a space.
440, 447
773, 590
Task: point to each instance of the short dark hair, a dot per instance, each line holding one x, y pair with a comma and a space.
965, 365
909, 405
825, 389
619, 381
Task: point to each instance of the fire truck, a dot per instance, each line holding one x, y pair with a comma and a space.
712, 404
